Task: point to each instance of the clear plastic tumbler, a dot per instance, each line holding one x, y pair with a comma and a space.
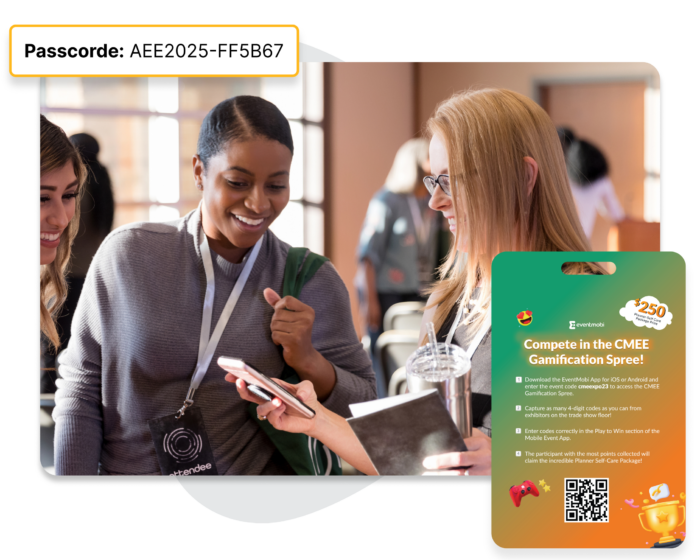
450, 373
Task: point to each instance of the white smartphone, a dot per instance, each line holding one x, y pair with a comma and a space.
240, 369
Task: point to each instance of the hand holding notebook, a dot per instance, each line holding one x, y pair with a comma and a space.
399, 433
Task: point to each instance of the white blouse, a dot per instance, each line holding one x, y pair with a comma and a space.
598, 196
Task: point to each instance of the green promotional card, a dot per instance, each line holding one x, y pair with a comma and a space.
588, 401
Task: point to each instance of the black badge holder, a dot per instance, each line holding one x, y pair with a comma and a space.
182, 445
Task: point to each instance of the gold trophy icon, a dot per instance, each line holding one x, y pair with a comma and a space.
662, 517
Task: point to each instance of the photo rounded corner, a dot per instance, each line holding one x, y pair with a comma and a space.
45, 476
656, 67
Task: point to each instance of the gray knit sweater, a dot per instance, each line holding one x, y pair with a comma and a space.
134, 345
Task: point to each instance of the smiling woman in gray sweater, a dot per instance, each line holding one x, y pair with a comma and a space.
136, 330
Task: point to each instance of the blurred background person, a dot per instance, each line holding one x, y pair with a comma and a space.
96, 217
566, 137
399, 248
588, 171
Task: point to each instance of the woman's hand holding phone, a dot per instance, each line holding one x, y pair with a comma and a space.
328, 428
277, 413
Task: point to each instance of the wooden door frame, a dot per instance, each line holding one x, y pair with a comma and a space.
650, 81
539, 82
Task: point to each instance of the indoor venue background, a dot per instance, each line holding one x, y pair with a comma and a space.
348, 120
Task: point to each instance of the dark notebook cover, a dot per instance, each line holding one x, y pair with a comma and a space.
398, 438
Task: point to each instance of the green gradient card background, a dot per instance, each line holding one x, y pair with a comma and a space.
534, 282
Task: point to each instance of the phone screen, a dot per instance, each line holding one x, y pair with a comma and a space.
260, 392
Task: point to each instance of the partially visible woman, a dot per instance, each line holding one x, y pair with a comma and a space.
62, 174
96, 217
398, 251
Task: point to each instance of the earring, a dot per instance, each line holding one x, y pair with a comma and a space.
199, 186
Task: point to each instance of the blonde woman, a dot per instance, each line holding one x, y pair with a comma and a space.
61, 176
398, 251
498, 176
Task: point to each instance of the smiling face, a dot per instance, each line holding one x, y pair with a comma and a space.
246, 186
525, 318
59, 189
439, 201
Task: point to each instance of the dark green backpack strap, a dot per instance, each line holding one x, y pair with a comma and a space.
306, 455
299, 269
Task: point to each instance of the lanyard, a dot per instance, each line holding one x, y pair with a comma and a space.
421, 226
477, 339
208, 345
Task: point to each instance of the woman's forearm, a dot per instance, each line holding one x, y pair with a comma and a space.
335, 432
320, 372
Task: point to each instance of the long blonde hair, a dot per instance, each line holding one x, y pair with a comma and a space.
56, 151
407, 171
487, 133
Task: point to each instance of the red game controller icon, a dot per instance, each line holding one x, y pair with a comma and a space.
517, 492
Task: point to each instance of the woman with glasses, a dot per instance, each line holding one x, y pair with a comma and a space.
498, 176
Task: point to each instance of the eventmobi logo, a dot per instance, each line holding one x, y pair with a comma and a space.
573, 325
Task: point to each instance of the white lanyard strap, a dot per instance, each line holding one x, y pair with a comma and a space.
207, 346
477, 339
418, 222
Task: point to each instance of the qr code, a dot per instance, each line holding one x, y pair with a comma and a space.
586, 500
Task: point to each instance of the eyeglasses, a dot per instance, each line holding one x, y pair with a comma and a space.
432, 182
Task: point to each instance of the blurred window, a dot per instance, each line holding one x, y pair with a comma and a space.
652, 154
148, 128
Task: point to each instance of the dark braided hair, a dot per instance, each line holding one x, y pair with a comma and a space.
241, 118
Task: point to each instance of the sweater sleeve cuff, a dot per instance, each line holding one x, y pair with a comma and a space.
349, 389
77, 445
